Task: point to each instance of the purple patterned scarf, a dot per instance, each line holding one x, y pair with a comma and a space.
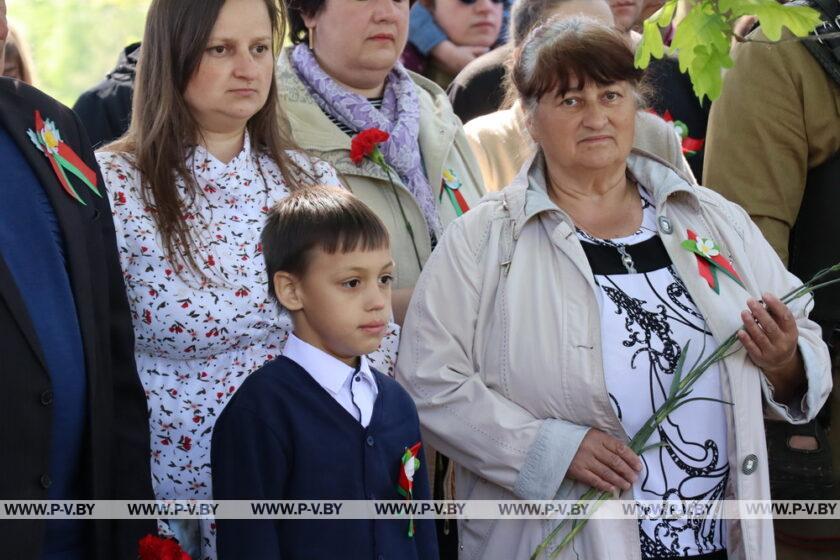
399, 116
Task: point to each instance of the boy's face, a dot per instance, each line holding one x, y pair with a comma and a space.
342, 303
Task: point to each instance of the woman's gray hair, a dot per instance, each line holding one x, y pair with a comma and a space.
570, 47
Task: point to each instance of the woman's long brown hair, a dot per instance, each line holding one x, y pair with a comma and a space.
163, 130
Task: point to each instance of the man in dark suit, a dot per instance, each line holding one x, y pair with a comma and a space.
73, 418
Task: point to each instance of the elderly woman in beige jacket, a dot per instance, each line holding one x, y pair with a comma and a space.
343, 76
549, 323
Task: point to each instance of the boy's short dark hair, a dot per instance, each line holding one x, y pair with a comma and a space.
317, 217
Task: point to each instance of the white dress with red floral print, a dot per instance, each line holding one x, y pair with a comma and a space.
198, 339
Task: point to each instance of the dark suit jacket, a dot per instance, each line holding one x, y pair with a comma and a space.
116, 457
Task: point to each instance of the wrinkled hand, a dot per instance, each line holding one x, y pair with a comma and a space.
604, 463
770, 333
452, 58
771, 338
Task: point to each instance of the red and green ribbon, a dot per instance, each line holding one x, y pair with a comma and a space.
409, 464
710, 261
62, 158
452, 187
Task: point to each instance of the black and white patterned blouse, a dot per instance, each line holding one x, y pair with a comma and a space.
647, 317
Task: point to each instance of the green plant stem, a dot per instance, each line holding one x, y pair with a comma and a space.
387, 169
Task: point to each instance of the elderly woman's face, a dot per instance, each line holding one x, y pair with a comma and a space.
476, 24
359, 40
586, 129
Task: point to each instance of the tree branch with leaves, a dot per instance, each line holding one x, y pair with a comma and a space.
703, 39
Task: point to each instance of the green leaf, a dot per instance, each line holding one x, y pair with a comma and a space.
800, 20
706, 71
675, 382
665, 13
702, 27
690, 245
650, 45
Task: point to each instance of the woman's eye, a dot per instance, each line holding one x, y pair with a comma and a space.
218, 49
354, 283
612, 96
261, 49
569, 102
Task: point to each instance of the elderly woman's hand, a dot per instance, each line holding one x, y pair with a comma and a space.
604, 463
771, 337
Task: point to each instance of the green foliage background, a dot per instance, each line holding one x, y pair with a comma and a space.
75, 43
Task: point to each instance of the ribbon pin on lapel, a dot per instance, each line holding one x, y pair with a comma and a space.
709, 260
452, 187
61, 157
409, 463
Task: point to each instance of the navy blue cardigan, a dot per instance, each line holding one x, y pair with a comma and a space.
283, 437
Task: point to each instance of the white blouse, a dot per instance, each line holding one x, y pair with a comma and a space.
197, 339
647, 318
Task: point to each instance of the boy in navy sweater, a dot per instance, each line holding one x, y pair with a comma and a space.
318, 423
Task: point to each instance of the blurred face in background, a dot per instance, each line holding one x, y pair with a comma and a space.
626, 12
477, 23
234, 77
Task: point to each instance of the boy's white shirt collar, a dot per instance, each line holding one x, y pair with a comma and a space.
331, 373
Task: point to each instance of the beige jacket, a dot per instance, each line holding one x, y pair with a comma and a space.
501, 144
443, 146
501, 352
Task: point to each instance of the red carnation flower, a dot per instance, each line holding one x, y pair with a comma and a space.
365, 142
153, 547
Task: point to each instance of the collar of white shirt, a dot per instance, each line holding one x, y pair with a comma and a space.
331, 373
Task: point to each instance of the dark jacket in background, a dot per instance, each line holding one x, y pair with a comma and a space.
105, 109
115, 457
673, 99
479, 88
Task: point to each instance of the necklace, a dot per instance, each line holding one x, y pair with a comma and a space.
622, 248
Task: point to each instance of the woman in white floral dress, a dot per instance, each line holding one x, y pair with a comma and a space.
190, 184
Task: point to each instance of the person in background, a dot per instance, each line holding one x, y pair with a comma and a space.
319, 423
774, 148
467, 23
627, 13
431, 42
343, 76
73, 415
191, 183
500, 140
105, 109
18, 63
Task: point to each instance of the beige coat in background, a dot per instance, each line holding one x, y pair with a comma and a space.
501, 144
443, 147
501, 351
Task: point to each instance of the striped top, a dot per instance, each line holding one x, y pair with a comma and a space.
375, 101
